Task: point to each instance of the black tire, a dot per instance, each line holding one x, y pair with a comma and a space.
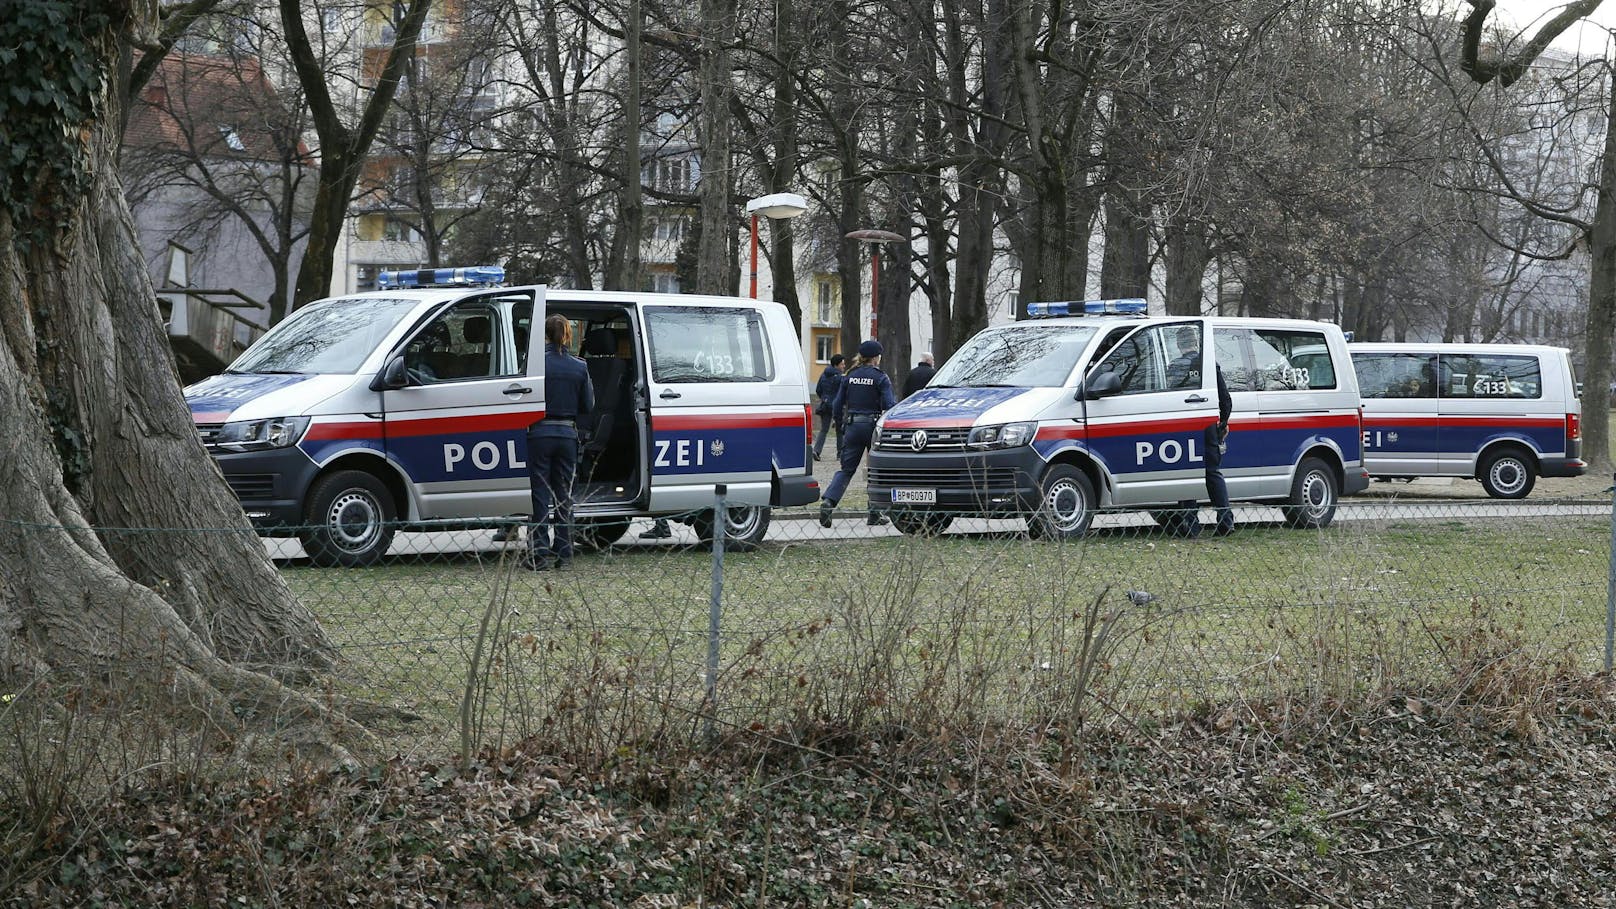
596, 534
748, 524
1175, 522
349, 520
1315, 492
1506, 473
921, 523
1066, 506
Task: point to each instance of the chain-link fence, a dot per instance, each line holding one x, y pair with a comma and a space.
900, 621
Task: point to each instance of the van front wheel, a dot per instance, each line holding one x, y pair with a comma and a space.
744, 526
1314, 494
1507, 474
1066, 508
350, 520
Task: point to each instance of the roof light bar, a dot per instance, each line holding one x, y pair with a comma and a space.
472, 276
1129, 307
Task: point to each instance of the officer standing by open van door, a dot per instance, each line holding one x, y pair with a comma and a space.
552, 447
866, 394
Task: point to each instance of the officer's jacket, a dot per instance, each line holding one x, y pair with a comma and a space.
865, 389
568, 393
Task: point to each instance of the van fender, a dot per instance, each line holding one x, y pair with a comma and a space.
389, 471
1505, 437
1312, 446
1079, 455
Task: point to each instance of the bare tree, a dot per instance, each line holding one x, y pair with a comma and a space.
99, 437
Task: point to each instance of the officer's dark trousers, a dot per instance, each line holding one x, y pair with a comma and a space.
824, 432
552, 461
1216, 489
856, 436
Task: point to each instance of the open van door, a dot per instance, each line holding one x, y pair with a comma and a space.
459, 395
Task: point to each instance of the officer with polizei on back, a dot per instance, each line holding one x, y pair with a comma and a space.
866, 393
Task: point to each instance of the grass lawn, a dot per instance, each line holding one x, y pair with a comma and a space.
973, 624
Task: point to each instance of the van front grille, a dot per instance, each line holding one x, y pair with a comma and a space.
983, 479
209, 432
941, 438
251, 485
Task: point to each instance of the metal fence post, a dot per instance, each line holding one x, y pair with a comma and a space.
720, 530
1610, 588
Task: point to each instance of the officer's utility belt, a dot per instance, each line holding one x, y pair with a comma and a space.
863, 417
560, 421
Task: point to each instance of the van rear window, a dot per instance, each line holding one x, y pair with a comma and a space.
707, 344
1490, 376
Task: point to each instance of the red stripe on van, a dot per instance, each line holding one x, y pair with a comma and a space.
428, 426
727, 421
1455, 419
1322, 421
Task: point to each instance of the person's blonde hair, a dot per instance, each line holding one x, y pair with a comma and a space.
558, 330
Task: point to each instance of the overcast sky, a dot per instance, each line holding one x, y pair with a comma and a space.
1529, 15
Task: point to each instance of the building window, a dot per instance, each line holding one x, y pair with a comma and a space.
825, 303
232, 139
824, 347
671, 175
1013, 300
670, 230
399, 231
664, 282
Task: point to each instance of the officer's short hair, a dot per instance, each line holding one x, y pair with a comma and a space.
1189, 338
837, 359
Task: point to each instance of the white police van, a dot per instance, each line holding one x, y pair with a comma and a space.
408, 408
1504, 414
1057, 418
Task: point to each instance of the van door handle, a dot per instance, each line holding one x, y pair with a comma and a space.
517, 390
668, 394
1195, 399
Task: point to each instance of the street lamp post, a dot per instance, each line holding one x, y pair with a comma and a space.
874, 239
775, 206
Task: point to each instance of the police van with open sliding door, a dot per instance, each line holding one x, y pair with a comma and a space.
408, 408
1504, 414
1057, 418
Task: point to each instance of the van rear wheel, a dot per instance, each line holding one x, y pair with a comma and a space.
349, 520
597, 534
744, 526
1507, 474
1314, 494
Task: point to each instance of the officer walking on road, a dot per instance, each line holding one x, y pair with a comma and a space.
830, 382
552, 447
866, 393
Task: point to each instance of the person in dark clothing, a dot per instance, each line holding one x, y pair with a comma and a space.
830, 382
552, 447
866, 394
920, 376
1213, 439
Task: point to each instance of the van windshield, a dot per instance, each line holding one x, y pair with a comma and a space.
332, 338
1024, 356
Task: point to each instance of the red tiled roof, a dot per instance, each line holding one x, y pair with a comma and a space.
209, 106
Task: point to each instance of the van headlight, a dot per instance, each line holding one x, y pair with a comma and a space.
1006, 435
258, 435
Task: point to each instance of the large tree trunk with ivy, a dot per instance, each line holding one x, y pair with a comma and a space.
97, 433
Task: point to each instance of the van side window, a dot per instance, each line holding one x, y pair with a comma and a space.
1291, 360
707, 344
1230, 352
1139, 362
1490, 376
463, 343
1395, 375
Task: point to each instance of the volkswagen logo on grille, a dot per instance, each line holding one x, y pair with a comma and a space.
918, 440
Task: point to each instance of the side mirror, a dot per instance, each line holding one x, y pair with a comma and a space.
1101, 385
393, 376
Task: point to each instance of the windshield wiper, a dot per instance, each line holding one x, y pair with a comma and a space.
279, 372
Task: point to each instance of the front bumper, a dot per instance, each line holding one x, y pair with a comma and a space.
986, 482
270, 484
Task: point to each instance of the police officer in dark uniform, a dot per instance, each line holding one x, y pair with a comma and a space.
866, 393
552, 447
1185, 372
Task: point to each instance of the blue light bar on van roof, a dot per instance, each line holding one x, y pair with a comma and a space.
474, 276
1131, 307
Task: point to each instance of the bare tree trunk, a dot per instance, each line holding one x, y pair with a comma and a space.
1601, 307
982, 182
99, 438
1125, 267
782, 245
624, 271
714, 264
1188, 253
